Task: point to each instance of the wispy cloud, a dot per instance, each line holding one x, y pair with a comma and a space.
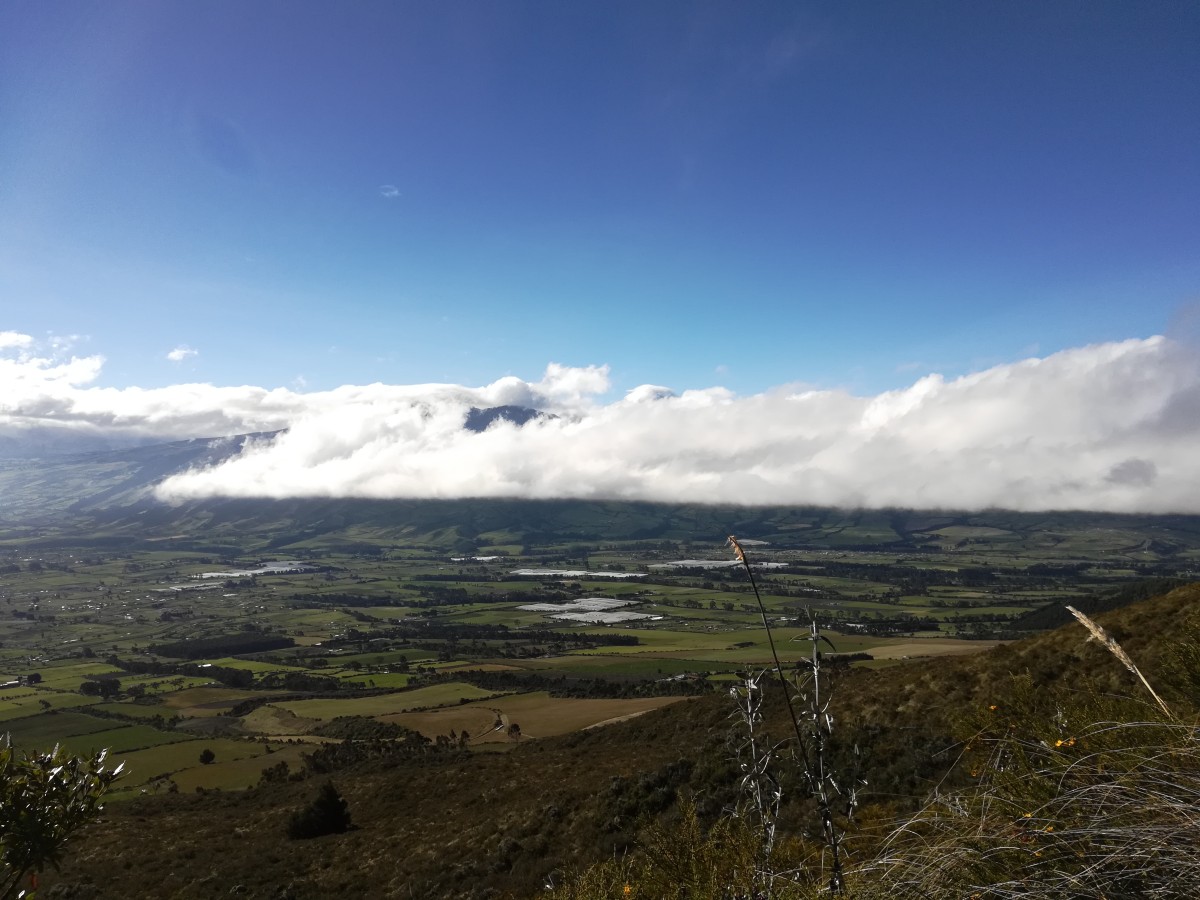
9, 339
389, 191
1105, 427
41, 368
220, 142
182, 352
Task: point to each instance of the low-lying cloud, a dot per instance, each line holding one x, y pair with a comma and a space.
1110, 427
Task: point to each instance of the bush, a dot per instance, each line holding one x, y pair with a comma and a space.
327, 814
44, 799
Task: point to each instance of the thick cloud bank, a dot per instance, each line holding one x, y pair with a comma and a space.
1108, 427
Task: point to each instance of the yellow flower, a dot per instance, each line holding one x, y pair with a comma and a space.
628, 890
993, 707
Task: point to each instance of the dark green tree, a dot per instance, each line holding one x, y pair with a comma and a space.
327, 814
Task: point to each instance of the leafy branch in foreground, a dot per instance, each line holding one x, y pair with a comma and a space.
45, 797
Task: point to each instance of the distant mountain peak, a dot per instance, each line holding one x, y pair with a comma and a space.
479, 419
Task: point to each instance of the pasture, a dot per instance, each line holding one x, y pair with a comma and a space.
537, 713
385, 704
392, 624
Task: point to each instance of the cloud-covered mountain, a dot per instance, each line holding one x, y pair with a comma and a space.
1109, 427
481, 419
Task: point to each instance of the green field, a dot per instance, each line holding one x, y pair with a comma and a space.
173, 759
122, 739
15, 705
389, 624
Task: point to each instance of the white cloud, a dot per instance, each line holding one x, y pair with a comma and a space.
182, 352
14, 339
63, 343
389, 191
1106, 427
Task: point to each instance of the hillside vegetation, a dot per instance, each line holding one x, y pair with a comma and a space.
1018, 743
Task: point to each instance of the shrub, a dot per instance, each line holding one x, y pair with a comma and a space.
44, 799
327, 814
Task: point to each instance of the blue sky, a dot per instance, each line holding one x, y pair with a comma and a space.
695, 194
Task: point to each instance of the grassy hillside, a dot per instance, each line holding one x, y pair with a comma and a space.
490, 824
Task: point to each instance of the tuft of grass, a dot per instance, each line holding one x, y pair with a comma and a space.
1113, 811
1073, 797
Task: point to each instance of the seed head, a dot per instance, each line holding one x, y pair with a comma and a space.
737, 549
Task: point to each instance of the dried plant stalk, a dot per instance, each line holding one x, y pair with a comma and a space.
1119, 652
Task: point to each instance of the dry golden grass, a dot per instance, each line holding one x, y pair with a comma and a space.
538, 714
1110, 644
205, 701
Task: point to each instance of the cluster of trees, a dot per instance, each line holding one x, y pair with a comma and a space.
222, 645
230, 676
481, 640
577, 686
106, 688
410, 746
299, 681
342, 598
361, 728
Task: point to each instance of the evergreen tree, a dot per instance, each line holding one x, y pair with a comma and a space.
327, 814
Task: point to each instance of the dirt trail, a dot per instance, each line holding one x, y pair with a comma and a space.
615, 719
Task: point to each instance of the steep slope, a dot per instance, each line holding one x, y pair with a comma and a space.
43, 489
